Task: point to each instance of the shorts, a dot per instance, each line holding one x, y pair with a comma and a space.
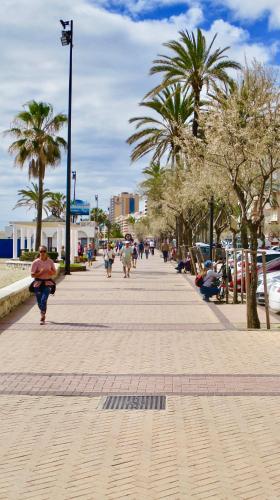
108, 264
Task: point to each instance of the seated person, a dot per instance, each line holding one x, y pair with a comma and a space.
208, 288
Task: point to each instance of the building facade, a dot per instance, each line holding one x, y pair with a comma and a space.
122, 205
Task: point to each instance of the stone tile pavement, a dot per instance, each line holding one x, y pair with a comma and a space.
219, 435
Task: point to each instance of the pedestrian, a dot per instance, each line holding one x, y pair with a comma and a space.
208, 287
147, 249
109, 258
141, 249
152, 247
126, 256
42, 269
134, 255
62, 253
89, 255
80, 249
165, 250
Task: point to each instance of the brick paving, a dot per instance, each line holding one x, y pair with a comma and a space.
87, 384
152, 334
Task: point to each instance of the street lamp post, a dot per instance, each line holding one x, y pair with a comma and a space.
211, 207
74, 179
67, 39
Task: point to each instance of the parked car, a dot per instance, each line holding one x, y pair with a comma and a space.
272, 264
274, 296
270, 278
205, 249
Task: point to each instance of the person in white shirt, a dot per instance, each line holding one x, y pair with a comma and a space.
109, 256
208, 288
126, 258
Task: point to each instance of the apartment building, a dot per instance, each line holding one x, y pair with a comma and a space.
123, 205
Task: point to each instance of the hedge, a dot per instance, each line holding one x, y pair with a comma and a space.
30, 256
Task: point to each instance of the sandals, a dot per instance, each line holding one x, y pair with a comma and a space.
43, 319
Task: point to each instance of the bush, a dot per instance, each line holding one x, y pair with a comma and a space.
73, 267
30, 256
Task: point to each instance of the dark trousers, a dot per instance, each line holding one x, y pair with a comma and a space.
165, 255
42, 294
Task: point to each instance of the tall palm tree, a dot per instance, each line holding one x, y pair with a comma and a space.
57, 204
30, 197
153, 185
174, 108
37, 145
193, 64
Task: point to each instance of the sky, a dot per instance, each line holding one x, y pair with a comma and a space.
115, 42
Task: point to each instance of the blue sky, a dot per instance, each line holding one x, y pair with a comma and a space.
115, 43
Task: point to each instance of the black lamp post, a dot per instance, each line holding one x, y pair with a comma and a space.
211, 214
67, 39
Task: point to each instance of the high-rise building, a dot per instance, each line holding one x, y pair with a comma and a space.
123, 204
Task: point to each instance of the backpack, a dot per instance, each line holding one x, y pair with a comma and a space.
199, 280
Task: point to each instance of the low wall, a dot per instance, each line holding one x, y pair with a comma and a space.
16, 293
18, 264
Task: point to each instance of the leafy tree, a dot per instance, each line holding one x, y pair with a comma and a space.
99, 216
37, 145
57, 204
115, 231
29, 197
193, 64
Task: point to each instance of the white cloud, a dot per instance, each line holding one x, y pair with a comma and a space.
112, 57
255, 9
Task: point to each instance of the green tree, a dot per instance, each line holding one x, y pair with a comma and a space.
115, 231
37, 145
195, 65
29, 197
57, 204
99, 216
160, 135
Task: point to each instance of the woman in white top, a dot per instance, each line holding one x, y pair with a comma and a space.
208, 289
109, 256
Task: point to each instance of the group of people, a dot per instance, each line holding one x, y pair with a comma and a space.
88, 252
129, 253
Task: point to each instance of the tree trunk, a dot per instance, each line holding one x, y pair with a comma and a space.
39, 212
234, 239
252, 311
218, 235
195, 113
244, 234
180, 235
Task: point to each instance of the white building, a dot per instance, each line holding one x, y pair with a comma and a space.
53, 235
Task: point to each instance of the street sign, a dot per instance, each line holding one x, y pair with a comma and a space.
80, 207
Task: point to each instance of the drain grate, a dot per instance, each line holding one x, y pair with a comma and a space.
134, 403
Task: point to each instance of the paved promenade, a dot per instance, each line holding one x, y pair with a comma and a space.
217, 434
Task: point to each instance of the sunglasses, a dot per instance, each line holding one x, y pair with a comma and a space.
42, 251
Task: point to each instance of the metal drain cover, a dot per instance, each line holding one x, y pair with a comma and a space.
134, 403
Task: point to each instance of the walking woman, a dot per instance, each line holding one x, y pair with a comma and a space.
147, 249
134, 255
126, 256
109, 257
42, 269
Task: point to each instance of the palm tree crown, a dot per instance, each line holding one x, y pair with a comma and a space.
174, 108
37, 145
193, 64
29, 197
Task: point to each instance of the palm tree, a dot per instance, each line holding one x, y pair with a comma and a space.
193, 64
174, 108
57, 204
152, 186
30, 197
37, 145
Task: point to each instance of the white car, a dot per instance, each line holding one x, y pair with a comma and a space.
270, 278
274, 296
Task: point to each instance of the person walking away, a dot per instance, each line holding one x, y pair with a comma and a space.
208, 287
109, 258
152, 247
147, 249
126, 256
141, 249
165, 250
134, 255
89, 255
42, 269
62, 253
